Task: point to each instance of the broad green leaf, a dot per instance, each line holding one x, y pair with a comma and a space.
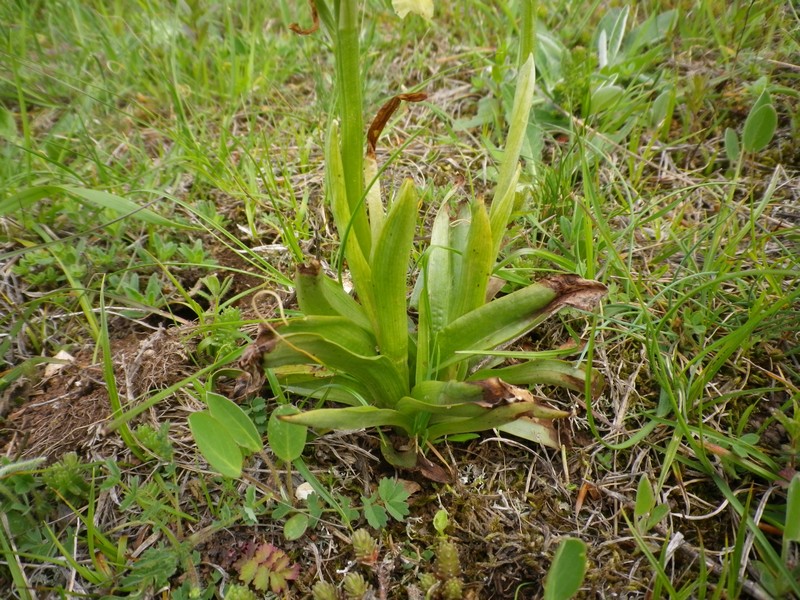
334, 328
216, 444
350, 417
476, 263
353, 231
411, 406
295, 526
231, 416
605, 97
540, 431
389, 266
436, 284
318, 294
509, 317
492, 418
375, 373
566, 574
446, 392
286, 439
759, 127
438, 272
547, 372
313, 382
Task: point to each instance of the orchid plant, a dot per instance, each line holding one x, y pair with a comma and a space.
424, 366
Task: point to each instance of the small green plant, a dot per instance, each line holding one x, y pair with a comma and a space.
266, 567
441, 375
365, 547
240, 592
222, 433
355, 586
156, 440
447, 569
324, 590
67, 479
647, 513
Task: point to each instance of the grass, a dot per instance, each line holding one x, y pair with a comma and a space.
213, 118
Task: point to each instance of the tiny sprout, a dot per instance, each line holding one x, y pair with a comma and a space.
355, 586
324, 590
448, 564
440, 521
365, 547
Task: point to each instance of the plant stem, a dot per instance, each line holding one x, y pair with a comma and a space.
351, 111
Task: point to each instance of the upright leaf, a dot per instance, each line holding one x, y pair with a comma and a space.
476, 263
759, 127
345, 224
318, 294
389, 265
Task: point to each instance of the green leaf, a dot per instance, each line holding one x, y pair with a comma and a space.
286, 439
295, 526
547, 372
216, 444
566, 574
502, 201
353, 231
375, 373
605, 97
791, 531
374, 513
394, 497
350, 417
490, 419
440, 521
311, 382
389, 266
534, 430
759, 127
656, 516
731, 144
438, 272
337, 329
231, 416
8, 126
645, 499
476, 263
96, 198
509, 317
318, 294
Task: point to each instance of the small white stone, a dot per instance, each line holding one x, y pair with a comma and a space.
303, 491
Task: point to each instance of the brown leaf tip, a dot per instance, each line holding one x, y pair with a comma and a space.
497, 392
574, 291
